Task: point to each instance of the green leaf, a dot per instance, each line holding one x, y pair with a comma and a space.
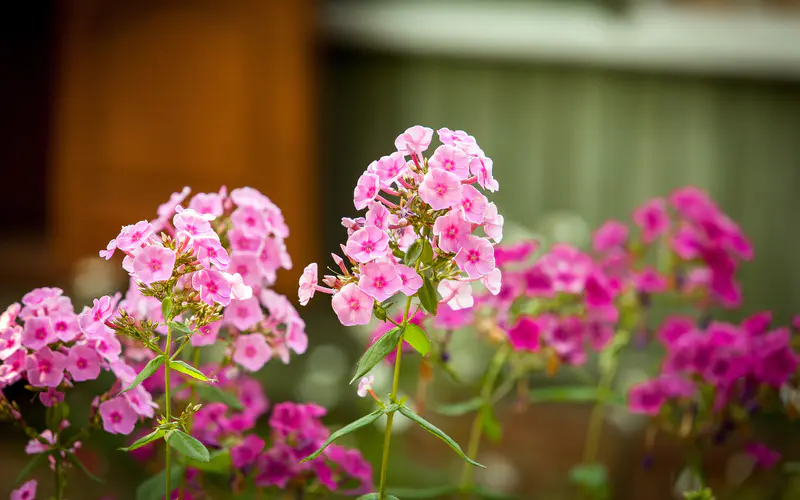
418, 339
431, 492
214, 394
72, 458
462, 408
187, 446
156, 434
153, 487
150, 368
30, 466
593, 478
56, 414
413, 253
491, 426
376, 496
377, 351
219, 463
347, 429
166, 308
427, 296
178, 327
405, 410
568, 393
427, 252
187, 369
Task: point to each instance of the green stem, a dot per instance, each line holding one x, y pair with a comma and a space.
597, 417
390, 417
487, 399
192, 394
59, 484
167, 410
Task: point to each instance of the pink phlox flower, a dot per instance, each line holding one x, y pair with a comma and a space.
367, 244
25, 492
765, 457
473, 204
206, 334
35, 446
12, 368
210, 252
404, 237
353, 225
456, 294
250, 197
565, 336
598, 290
515, 254
567, 268
38, 332
378, 216
308, 283
251, 351
448, 319
493, 223
272, 256
40, 298
757, 324
379, 280
108, 252
692, 203
207, 203
646, 398
175, 199
124, 372
276, 466
524, 335
440, 189
92, 322
45, 368
611, 234
410, 280
252, 396
352, 305
10, 341
239, 291
296, 338
279, 307
476, 256
83, 363
366, 190
135, 236
599, 326
118, 416
244, 314
153, 263
493, 281
451, 230
246, 264
213, 287
775, 360
652, 218
141, 401
459, 139
481, 167
365, 385
65, 325
450, 159
242, 241
246, 452
414, 141
648, 280
389, 168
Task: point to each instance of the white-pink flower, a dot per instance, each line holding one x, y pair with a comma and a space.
153, 263
352, 305
440, 189
409, 279
476, 257
251, 351
308, 283
474, 204
493, 281
239, 291
389, 168
482, 168
118, 416
414, 140
379, 280
456, 294
365, 385
213, 287
450, 159
133, 237
451, 229
366, 190
368, 243
493, 223
378, 216
38, 333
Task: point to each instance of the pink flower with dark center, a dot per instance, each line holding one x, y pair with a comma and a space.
247, 265
246, 452
450, 159
118, 416
440, 189
45, 368
213, 287
765, 457
567, 268
135, 236
207, 203
366, 190
250, 220
308, 282
83, 363
210, 252
612, 234
65, 325
456, 294
92, 322
153, 263
251, 351
38, 332
473, 204
206, 334
141, 401
10, 342
244, 314
25, 492
242, 241
193, 224
524, 336
652, 218
481, 167
368, 243
410, 281
414, 141
451, 229
476, 257
352, 305
493, 223
389, 168
379, 280
646, 398
598, 291
13, 368
107, 345
378, 216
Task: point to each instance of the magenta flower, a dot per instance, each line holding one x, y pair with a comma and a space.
35, 446
414, 141
440, 189
251, 351
567, 268
450, 159
451, 229
481, 167
765, 457
206, 334
611, 234
45, 368
213, 287
83, 363
650, 281
10, 341
673, 328
476, 257
473, 204
276, 467
38, 333
598, 291
367, 244
153, 263
646, 398
352, 305
210, 252
133, 237
493, 223
456, 294
118, 416
92, 322
652, 218
246, 452
389, 168
308, 283
524, 336
379, 280
410, 281
25, 492
758, 323
141, 401
366, 190
243, 314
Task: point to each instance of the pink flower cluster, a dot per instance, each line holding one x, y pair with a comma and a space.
410, 200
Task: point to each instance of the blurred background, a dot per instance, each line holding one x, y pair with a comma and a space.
588, 108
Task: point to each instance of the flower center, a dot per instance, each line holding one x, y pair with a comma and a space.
155, 265
355, 305
474, 256
380, 282
41, 334
250, 351
116, 417
45, 366
82, 364
440, 189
